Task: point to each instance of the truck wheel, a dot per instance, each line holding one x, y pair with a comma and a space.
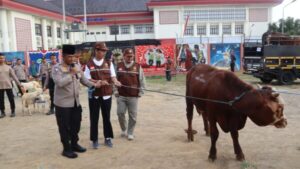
286, 78
266, 79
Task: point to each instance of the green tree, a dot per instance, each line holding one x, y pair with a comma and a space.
291, 26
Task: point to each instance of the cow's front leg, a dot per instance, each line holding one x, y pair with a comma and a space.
237, 148
214, 134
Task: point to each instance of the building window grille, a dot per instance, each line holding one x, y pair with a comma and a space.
216, 14
67, 35
49, 33
38, 29
125, 29
58, 32
214, 29
189, 31
143, 28
201, 30
226, 29
114, 29
239, 28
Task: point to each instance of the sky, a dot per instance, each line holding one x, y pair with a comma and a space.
291, 10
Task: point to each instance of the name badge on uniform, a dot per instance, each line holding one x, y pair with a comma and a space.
134, 68
92, 68
120, 69
106, 65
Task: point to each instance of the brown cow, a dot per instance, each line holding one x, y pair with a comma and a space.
231, 102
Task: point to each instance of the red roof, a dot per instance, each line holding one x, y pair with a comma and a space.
208, 2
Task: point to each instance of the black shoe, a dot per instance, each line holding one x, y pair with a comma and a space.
78, 148
2, 115
69, 154
13, 114
50, 112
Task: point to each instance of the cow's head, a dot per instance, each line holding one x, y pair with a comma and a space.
269, 110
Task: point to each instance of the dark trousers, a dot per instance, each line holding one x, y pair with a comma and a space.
20, 91
68, 121
51, 93
10, 96
168, 75
232, 67
95, 105
43, 80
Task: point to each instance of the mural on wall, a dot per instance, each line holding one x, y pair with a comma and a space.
191, 54
11, 57
153, 58
36, 56
220, 55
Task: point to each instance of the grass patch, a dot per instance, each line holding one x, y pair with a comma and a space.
247, 165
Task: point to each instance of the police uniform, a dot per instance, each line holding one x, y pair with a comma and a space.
168, 69
49, 83
43, 72
132, 77
66, 100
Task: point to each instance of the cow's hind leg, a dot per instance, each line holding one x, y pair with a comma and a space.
237, 148
205, 122
189, 115
214, 134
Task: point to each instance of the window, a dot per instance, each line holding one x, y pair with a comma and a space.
103, 33
226, 29
58, 32
149, 28
125, 29
67, 35
49, 33
98, 33
38, 29
114, 29
143, 28
216, 14
239, 28
201, 30
88, 33
92, 33
189, 30
214, 29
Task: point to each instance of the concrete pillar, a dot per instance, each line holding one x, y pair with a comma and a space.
4, 30
62, 33
44, 34
54, 34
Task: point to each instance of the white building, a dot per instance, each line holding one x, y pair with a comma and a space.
37, 24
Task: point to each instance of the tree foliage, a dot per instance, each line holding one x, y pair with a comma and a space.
290, 25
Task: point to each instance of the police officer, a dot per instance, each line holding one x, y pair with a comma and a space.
44, 67
101, 70
131, 75
168, 69
66, 77
49, 83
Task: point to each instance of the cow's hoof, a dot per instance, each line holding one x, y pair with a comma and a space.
212, 158
240, 157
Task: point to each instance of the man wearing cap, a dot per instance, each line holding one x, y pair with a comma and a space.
6, 73
131, 75
67, 78
102, 71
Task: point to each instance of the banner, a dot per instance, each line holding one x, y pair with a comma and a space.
220, 55
36, 56
153, 58
11, 57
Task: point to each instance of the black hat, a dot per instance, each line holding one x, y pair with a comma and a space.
68, 49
